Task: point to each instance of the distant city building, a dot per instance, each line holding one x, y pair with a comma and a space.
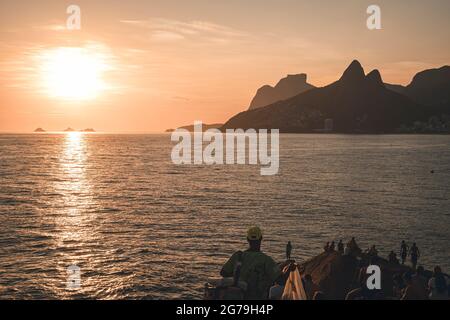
329, 123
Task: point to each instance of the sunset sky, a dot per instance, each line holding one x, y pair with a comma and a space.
145, 66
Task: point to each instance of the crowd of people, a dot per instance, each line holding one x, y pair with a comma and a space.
352, 248
255, 275
409, 285
416, 286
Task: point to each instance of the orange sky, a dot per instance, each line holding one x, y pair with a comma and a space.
168, 63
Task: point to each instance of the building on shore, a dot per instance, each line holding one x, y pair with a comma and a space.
328, 125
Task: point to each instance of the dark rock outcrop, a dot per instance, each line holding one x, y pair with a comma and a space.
286, 88
337, 274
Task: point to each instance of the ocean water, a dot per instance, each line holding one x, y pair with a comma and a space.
138, 226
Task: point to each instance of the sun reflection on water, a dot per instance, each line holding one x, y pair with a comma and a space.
75, 221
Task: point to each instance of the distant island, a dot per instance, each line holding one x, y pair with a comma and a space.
68, 129
190, 128
356, 103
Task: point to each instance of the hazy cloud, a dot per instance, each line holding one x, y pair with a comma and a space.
167, 29
52, 27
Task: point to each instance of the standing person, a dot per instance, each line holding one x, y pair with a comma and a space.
332, 246
392, 258
437, 285
403, 251
257, 269
373, 252
327, 247
353, 248
288, 250
352, 243
340, 247
415, 254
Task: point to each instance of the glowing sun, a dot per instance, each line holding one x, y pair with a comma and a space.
73, 73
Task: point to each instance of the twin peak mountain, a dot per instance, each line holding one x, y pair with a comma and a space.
356, 103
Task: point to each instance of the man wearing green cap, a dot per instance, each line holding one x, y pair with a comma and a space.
257, 269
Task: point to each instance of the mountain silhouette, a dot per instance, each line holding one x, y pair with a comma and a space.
355, 103
430, 88
286, 88
354, 74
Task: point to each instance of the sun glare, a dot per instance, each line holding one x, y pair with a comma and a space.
73, 73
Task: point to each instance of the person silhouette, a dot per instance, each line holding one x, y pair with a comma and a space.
415, 254
340, 247
403, 251
332, 246
392, 257
288, 250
